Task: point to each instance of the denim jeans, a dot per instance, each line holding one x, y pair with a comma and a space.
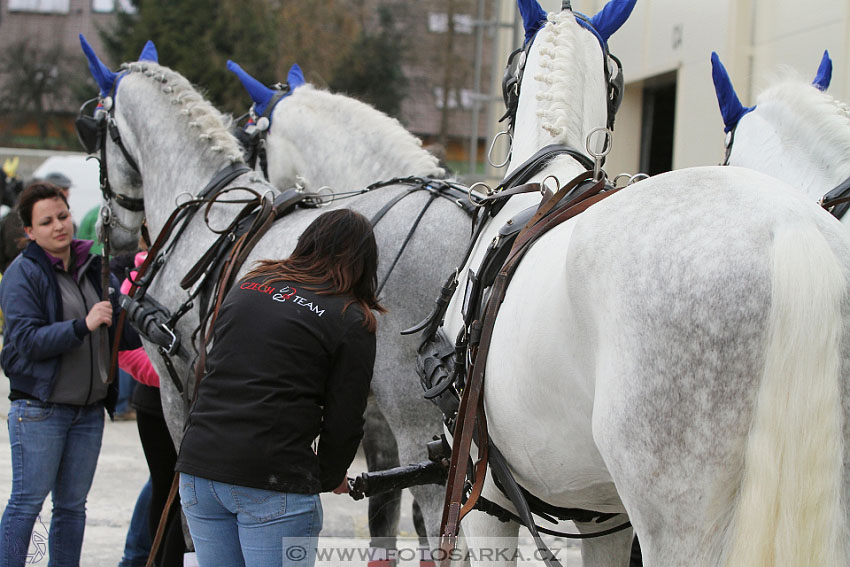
126, 385
239, 526
137, 545
54, 449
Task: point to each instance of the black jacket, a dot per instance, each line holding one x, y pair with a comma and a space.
287, 365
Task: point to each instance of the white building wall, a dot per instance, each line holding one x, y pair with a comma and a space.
755, 40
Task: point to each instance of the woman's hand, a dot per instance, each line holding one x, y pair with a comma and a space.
343, 486
100, 314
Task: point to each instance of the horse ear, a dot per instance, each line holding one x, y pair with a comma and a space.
533, 17
612, 16
731, 108
295, 77
103, 76
824, 74
149, 53
260, 93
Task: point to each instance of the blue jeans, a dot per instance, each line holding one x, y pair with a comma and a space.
239, 526
126, 385
54, 449
137, 545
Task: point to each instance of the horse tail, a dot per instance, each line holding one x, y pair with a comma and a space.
788, 510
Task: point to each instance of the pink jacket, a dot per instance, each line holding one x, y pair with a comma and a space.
136, 362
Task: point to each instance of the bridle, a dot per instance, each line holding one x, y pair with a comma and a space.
253, 135
515, 70
92, 131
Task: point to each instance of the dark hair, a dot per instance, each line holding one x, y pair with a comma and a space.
336, 254
35, 192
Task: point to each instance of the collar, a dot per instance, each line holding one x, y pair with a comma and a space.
79, 256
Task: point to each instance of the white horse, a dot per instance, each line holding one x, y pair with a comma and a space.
795, 132
678, 353
321, 140
180, 142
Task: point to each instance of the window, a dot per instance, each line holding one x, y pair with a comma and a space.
438, 22
466, 98
43, 6
111, 6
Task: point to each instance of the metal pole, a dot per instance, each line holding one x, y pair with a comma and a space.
476, 102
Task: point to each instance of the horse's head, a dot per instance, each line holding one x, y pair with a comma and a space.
123, 208
568, 83
319, 139
795, 131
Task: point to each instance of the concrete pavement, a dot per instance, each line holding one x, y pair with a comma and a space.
122, 471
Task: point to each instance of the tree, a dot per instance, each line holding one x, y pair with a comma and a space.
196, 37
372, 70
37, 81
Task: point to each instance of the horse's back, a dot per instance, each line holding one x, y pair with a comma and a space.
651, 329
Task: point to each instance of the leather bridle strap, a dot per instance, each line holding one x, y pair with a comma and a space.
836, 200
472, 394
153, 251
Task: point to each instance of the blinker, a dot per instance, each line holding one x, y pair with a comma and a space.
90, 129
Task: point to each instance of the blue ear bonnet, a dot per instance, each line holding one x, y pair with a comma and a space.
602, 25
611, 18
824, 74
266, 98
731, 108
106, 79
533, 17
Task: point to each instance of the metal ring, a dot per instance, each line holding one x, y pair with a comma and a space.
320, 200
638, 177
493, 145
616, 179
543, 184
609, 138
473, 186
177, 202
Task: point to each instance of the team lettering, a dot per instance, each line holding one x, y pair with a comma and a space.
257, 287
290, 293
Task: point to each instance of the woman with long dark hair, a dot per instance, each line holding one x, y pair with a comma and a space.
292, 357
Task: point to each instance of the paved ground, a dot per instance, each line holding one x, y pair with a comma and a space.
122, 472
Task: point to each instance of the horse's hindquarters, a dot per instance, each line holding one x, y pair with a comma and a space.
675, 277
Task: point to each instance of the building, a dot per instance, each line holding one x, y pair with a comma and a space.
670, 118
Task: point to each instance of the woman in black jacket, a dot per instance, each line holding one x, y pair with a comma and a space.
291, 361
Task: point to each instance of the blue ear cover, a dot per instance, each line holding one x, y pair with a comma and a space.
295, 77
731, 108
612, 17
260, 93
149, 53
824, 74
103, 76
533, 17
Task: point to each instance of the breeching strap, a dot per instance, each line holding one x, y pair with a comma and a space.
471, 402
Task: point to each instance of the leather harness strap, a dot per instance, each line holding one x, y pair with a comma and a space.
471, 405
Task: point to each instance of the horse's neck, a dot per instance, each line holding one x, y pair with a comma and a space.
563, 95
776, 139
174, 158
332, 140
